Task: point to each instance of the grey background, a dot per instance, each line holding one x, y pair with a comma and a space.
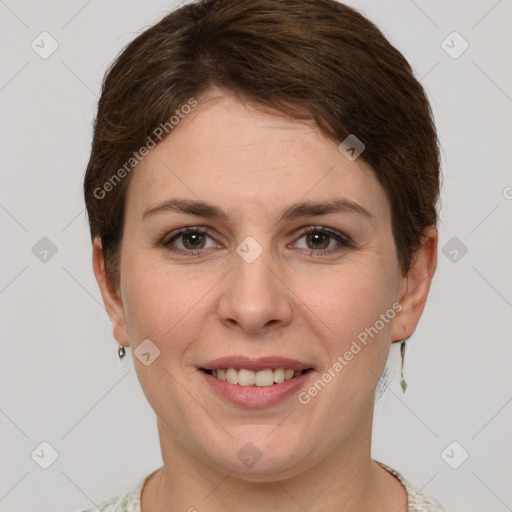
60, 381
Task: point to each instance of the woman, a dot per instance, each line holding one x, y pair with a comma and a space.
262, 195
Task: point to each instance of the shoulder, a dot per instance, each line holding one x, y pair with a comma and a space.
126, 502
418, 502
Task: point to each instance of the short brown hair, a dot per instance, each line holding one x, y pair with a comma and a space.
308, 59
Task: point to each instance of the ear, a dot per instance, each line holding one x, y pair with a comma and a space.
415, 287
111, 299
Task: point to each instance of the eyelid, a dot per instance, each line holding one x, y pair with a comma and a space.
186, 230
202, 230
344, 241
341, 237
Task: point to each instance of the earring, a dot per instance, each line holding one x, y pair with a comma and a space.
402, 354
121, 352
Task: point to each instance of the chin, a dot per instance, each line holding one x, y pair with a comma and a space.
261, 458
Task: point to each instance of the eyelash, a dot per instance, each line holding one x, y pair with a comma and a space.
343, 240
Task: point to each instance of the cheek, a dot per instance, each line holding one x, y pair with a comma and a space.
353, 315
350, 300
162, 304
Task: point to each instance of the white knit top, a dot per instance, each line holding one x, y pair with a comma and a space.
130, 502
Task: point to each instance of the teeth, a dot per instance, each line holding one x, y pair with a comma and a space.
279, 375
246, 378
232, 376
262, 378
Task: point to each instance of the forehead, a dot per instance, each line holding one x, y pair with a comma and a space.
246, 161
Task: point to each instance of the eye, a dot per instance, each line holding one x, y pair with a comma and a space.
319, 240
192, 239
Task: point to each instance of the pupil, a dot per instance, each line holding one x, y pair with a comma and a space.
197, 237
316, 236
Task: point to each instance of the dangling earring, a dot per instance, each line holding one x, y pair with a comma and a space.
402, 354
121, 352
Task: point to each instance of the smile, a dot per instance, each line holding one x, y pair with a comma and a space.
262, 378
256, 388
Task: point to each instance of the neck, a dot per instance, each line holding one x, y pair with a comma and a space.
346, 480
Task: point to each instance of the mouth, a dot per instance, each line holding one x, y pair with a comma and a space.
245, 377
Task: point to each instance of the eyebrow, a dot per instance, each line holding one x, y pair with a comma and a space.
296, 211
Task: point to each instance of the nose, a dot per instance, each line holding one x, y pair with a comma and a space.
255, 295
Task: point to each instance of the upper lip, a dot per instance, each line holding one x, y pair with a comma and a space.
255, 363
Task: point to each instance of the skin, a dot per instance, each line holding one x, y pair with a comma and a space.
291, 301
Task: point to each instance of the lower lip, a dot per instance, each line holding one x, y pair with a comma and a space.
256, 396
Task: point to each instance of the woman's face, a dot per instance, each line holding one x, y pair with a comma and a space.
257, 286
